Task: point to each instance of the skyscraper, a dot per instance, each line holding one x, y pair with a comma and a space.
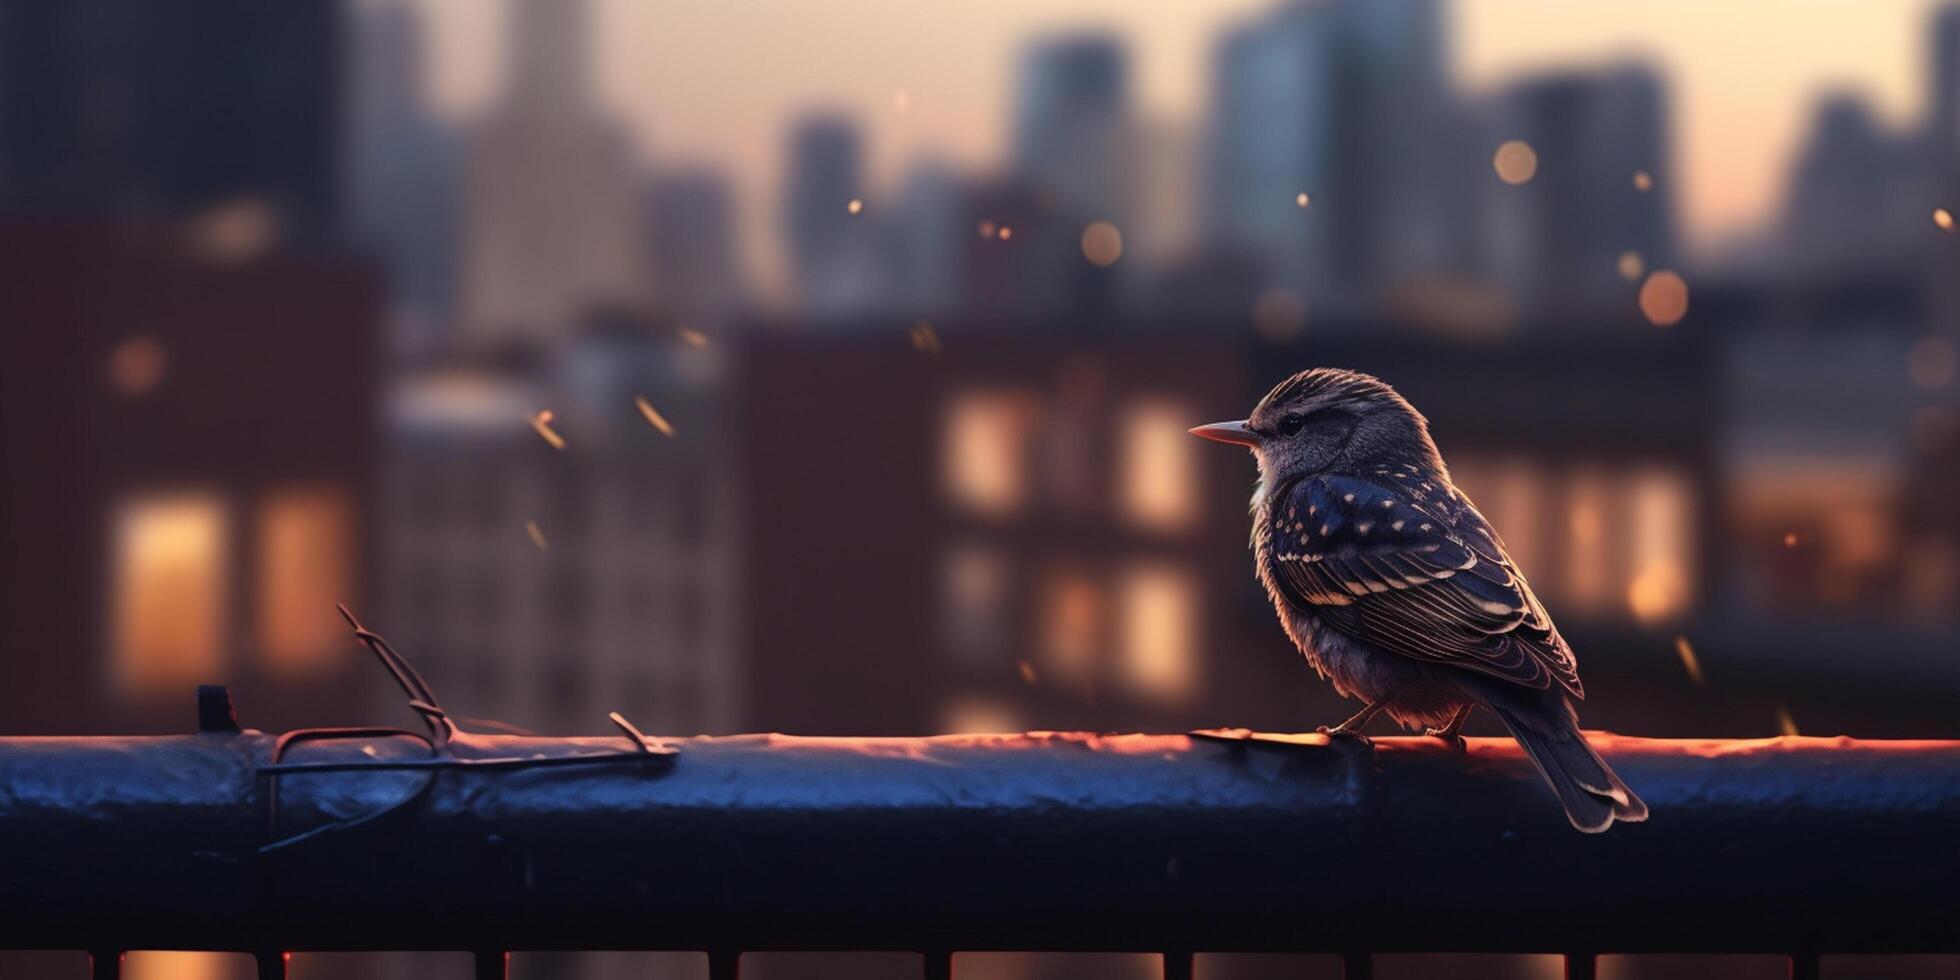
404, 171
1943, 102
551, 229
1272, 117
1555, 241
830, 248
122, 108
1856, 196
1343, 102
1072, 128
695, 264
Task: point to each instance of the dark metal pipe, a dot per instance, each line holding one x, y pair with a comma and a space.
938, 965
1178, 966
492, 965
1358, 966
1039, 842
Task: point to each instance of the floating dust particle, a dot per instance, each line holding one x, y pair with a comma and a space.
1632, 266
1027, 672
693, 338
1789, 539
924, 338
1302, 199
1643, 181
1943, 218
653, 417
1784, 723
542, 423
1689, 661
537, 535
855, 206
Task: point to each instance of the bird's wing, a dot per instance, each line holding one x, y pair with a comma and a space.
1411, 566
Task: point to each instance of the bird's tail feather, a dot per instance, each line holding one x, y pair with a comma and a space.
1592, 794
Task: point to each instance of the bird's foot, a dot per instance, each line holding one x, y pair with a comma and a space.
1343, 731
1450, 736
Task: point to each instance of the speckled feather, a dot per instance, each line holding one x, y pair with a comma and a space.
1400, 558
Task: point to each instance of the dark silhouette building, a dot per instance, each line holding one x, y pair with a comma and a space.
121, 108
195, 435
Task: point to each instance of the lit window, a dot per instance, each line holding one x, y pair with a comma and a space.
1071, 622
985, 462
1159, 626
1155, 485
168, 583
974, 585
305, 567
979, 716
1660, 542
1589, 572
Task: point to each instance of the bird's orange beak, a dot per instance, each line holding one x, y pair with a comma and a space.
1236, 433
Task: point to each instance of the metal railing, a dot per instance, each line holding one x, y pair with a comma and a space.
1218, 842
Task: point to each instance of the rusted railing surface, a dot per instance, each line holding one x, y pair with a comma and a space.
1168, 843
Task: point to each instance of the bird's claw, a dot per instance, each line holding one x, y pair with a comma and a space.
1449, 737
1341, 731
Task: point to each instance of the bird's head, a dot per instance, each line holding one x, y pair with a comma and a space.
1330, 420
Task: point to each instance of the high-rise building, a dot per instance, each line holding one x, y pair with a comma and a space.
547, 584
1943, 102
127, 109
826, 219
695, 261
1600, 190
1329, 146
1072, 127
1272, 117
1857, 195
551, 226
404, 172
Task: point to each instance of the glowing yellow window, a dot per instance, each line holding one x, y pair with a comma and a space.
1661, 538
1158, 632
305, 567
985, 441
167, 592
1157, 482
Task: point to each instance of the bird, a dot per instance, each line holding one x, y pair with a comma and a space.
1399, 592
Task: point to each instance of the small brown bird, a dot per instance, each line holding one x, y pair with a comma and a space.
1399, 592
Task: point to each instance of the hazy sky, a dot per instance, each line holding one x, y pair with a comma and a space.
714, 81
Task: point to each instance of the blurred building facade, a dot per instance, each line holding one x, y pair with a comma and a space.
111, 109
551, 226
197, 437
403, 173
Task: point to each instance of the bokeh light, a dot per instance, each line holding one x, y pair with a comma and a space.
1931, 362
1515, 162
136, 366
1102, 244
1664, 298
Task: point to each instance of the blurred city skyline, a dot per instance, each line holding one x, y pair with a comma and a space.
720, 85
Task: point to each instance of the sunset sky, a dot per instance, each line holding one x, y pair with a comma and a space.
714, 81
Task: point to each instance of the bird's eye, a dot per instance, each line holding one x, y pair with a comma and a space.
1290, 425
